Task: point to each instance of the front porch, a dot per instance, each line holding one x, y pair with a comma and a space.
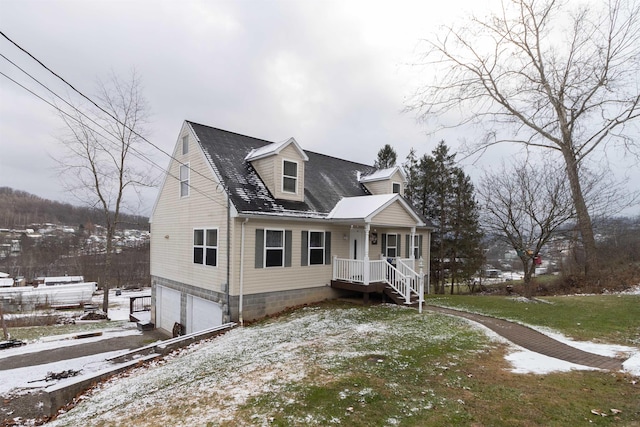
395, 278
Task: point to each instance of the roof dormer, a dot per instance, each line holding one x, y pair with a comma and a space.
281, 168
385, 181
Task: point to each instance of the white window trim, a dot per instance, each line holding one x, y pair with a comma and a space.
399, 185
264, 254
324, 246
290, 177
394, 246
180, 180
204, 246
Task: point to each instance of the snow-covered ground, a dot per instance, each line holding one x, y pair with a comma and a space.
24, 379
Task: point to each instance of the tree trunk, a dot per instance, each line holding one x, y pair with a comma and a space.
584, 219
528, 292
106, 285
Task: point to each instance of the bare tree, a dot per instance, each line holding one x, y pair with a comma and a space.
524, 207
98, 163
541, 74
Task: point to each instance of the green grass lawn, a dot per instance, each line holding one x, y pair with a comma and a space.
602, 318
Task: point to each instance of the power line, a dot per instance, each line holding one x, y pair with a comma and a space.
136, 153
143, 138
98, 106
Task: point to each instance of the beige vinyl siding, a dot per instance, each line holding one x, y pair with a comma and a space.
385, 186
272, 279
379, 187
175, 218
266, 170
394, 214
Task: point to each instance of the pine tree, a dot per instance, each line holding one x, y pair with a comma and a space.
410, 167
386, 158
445, 196
466, 251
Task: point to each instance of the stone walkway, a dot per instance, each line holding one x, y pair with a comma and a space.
535, 341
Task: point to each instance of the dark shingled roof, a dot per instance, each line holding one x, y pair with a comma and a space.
327, 179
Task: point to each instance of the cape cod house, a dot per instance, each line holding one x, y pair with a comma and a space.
243, 228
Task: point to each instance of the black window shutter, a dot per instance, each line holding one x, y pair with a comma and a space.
399, 247
384, 244
259, 247
327, 248
304, 249
287, 247
407, 246
420, 246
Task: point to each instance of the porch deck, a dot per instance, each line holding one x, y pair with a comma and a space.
399, 282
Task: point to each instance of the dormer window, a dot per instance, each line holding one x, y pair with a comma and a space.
289, 176
396, 188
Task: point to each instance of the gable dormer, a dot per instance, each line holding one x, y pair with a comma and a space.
385, 181
281, 168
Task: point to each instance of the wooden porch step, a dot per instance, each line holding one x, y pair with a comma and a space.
399, 299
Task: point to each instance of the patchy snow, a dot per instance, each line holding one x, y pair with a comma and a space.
118, 310
20, 380
58, 341
525, 361
224, 373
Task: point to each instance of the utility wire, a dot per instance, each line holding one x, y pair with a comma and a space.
135, 152
107, 112
104, 111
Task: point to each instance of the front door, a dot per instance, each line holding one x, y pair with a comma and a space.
356, 245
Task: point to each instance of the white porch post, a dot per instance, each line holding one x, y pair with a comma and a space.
335, 267
421, 286
366, 254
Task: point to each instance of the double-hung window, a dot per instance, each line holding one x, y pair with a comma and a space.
316, 247
184, 180
417, 246
205, 246
392, 246
289, 176
274, 248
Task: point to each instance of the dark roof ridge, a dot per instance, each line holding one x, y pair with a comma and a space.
271, 142
229, 131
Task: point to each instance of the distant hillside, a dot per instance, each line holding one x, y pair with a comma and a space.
19, 209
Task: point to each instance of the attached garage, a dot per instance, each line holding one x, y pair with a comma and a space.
167, 308
202, 314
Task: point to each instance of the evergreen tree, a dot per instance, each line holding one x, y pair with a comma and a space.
445, 196
412, 173
386, 158
466, 252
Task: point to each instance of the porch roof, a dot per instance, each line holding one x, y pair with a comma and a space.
364, 208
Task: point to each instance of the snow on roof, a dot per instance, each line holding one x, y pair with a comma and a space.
382, 174
3, 274
361, 206
274, 148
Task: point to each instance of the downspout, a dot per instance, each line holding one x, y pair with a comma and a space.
429, 263
228, 257
240, 302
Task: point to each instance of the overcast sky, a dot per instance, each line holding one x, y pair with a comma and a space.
335, 75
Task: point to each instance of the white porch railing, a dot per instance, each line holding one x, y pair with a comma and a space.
402, 278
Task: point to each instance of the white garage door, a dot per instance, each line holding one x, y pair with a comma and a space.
202, 314
167, 308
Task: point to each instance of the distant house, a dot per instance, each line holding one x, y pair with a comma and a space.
243, 228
